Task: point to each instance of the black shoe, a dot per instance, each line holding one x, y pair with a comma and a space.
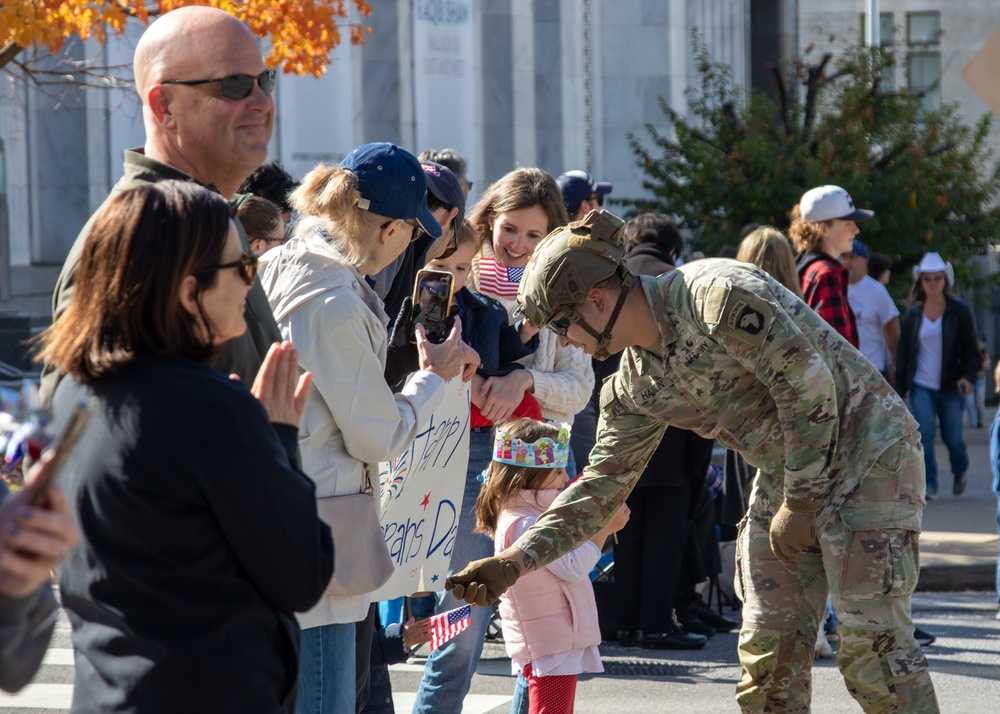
628, 638
961, 481
715, 620
923, 637
695, 624
676, 640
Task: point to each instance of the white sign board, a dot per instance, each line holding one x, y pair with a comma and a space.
421, 496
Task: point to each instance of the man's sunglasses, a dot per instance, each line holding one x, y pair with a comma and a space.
559, 325
246, 266
235, 86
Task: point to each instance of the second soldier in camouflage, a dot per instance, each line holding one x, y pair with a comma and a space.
722, 349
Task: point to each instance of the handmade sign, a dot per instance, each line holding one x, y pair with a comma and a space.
421, 494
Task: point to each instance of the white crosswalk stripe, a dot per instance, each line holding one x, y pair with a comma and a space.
53, 690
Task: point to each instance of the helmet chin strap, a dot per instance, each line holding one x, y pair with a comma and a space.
604, 338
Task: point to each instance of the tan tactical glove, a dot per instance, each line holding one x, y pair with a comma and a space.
793, 529
482, 582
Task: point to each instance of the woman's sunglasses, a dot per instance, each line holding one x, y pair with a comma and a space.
246, 266
235, 86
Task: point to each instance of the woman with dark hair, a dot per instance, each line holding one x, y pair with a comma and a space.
200, 533
936, 365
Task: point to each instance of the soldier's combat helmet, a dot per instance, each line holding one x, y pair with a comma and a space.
568, 264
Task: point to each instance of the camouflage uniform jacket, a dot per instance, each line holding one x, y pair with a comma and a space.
742, 360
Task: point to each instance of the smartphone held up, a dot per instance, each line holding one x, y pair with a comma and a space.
431, 302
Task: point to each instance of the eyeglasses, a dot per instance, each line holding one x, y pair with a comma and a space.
930, 278
417, 231
559, 325
235, 86
246, 265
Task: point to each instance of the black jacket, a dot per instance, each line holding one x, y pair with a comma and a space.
682, 456
960, 346
200, 540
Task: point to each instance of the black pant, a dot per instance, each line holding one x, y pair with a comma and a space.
649, 555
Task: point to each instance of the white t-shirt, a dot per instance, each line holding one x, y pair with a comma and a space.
930, 345
874, 309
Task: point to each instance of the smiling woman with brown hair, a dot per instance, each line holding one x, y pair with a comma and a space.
200, 534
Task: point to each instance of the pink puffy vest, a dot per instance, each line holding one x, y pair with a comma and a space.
543, 615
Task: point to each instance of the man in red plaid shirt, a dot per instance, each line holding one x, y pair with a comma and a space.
824, 224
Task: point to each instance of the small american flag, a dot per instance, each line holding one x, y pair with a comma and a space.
497, 279
448, 624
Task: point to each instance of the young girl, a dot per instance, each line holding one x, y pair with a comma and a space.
549, 617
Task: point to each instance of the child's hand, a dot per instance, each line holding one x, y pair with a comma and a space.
416, 632
527, 329
619, 520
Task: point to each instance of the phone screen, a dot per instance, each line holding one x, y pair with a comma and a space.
431, 300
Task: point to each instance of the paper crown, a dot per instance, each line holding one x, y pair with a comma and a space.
546, 453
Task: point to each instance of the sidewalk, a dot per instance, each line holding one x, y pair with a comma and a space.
958, 546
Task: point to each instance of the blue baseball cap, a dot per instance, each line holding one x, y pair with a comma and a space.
392, 183
859, 249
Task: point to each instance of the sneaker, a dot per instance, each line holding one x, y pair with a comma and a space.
931, 494
823, 648
961, 481
923, 637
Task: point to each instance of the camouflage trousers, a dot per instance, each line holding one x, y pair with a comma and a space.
867, 558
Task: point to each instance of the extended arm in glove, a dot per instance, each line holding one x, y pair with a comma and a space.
482, 582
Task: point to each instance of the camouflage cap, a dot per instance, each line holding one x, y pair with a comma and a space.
571, 261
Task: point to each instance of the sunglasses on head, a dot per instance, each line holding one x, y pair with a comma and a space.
246, 265
235, 86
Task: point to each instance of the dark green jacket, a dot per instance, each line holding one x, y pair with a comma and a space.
242, 355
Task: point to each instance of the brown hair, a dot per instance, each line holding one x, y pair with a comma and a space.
141, 246
520, 188
330, 195
768, 249
656, 228
806, 235
503, 481
917, 293
260, 218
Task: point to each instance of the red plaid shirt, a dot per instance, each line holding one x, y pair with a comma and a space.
824, 285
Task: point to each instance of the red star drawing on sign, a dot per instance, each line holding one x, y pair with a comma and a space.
426, 501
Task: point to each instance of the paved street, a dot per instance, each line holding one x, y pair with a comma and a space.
958, 550
965, 662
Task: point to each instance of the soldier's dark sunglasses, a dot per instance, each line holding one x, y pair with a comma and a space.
246, 266
559, 325
235, 86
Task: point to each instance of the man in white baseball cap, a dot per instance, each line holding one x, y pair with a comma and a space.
826, 203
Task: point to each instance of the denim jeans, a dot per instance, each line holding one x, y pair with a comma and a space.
995, 465
449, 669
931, 406
975, 403
519, 704
326, 670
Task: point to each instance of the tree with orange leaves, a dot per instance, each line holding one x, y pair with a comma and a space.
302, 32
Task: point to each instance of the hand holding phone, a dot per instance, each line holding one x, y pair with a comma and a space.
60, 451
431, 303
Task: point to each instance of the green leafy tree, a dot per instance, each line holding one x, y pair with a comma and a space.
741, 157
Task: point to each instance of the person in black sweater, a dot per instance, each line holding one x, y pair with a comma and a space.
200, 536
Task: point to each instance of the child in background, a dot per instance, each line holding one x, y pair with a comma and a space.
486, 329
549, 616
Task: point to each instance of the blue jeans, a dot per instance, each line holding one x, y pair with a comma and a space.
449, 669
975, 403
930, 407
995, 465
326, 670
519, 704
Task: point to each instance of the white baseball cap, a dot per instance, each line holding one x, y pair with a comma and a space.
828, 202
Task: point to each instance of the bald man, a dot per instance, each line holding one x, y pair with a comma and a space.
208, 113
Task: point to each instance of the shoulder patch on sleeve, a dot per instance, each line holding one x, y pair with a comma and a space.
738, 313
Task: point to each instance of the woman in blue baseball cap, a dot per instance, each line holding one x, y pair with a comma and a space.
357, 218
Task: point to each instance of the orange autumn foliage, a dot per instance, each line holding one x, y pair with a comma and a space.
302, 32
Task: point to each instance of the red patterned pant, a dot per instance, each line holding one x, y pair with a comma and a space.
550, 695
